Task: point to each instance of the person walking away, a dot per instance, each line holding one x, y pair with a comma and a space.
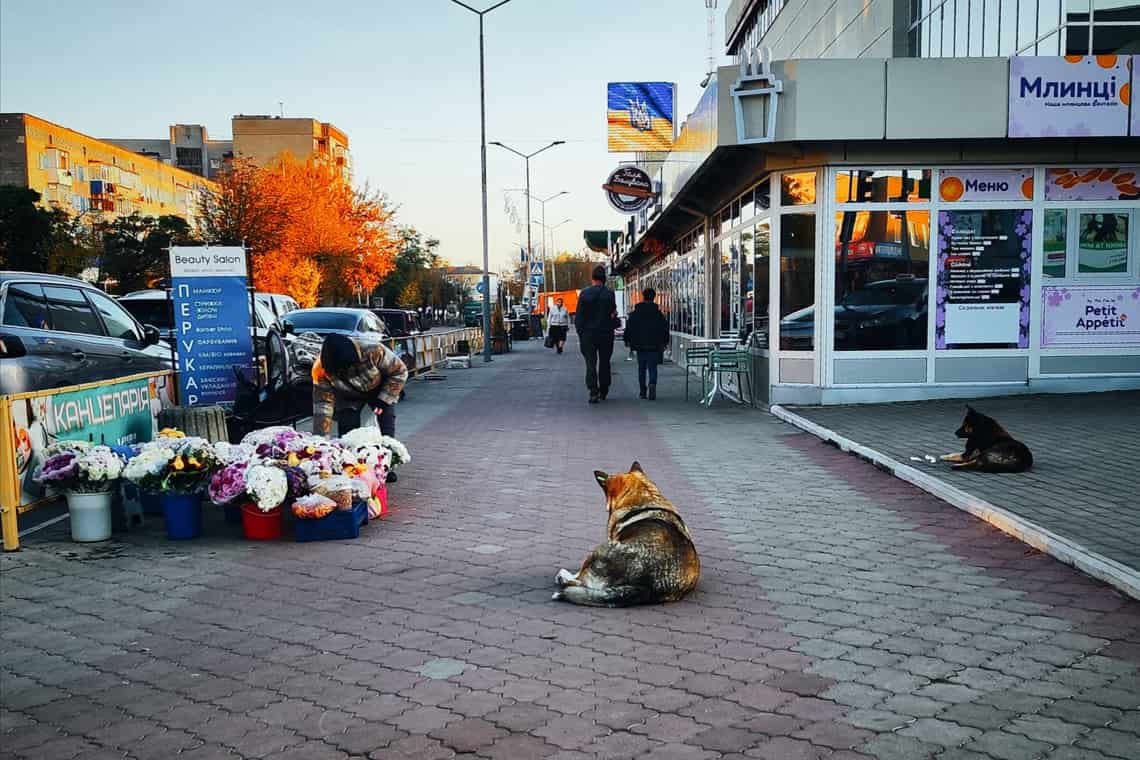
595, 320
558, 323
351, 372
647, 333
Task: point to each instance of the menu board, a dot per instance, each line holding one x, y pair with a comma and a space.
983, 279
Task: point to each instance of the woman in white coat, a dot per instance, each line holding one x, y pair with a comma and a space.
558, 323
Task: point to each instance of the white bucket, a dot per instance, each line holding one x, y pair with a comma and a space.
90, 516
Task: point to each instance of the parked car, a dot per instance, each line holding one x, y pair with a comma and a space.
277, 303
401, 323
154, 307
328, 320
472, 313
888, 314
59, 331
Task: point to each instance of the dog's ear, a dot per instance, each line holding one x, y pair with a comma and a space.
601, 477
970, 409
636, 467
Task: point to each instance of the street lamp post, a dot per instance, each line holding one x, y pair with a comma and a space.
542, 204
526, 157
483, 162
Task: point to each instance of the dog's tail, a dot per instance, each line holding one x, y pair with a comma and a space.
613, 596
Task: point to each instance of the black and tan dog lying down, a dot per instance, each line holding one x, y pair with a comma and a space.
649, 557
988, 447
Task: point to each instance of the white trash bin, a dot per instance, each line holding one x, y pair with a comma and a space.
90, 516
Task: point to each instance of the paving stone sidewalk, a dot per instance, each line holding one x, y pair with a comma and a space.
1084, 485
841, 612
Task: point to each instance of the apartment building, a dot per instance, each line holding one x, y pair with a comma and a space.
263, 138
83, 174
907, 199
187, 147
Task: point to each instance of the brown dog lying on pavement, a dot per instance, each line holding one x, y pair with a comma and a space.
649, 557
988, 447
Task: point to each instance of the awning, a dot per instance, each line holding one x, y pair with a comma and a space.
596, 240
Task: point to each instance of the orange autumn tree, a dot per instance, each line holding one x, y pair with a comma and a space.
317, 239
339, 236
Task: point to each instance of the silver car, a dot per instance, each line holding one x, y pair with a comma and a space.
59, 331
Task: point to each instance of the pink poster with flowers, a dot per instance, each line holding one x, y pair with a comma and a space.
1090, 316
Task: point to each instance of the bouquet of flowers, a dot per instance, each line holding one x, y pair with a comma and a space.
82, 469
372, 437
271, 442
266, 486
172, 464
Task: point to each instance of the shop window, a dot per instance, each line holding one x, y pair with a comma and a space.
1102, 242
882, 263
758, 275
797, 282
797, 188
1055, 242
762, 198
882, 185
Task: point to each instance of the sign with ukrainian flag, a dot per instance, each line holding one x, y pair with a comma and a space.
640, 116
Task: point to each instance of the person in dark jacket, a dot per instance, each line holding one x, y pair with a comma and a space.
595, 320
647, 333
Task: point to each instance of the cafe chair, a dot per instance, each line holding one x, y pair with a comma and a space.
696, 357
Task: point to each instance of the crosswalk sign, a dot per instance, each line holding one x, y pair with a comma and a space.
536, 267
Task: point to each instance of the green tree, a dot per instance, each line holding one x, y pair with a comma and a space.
417, 256
135, 254
27, 231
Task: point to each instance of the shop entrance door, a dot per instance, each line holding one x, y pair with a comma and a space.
795, 300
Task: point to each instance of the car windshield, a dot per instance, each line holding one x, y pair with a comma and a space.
322, 320
150, 312
888, 293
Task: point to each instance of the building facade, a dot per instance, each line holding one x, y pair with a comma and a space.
82, 174
881, 226
263, 138
188, 147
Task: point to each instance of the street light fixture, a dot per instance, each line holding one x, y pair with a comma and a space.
554, 261
526, 157
483, 161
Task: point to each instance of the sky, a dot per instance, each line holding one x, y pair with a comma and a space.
400, 78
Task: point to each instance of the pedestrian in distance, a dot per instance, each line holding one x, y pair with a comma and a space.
647, 333
558, 324
350, 373
595, 321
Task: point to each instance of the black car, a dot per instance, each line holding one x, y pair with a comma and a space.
400, 323
59, 331
884, 315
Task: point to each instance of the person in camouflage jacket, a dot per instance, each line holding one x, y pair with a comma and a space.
350, 372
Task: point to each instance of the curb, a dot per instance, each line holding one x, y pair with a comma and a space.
1115, 574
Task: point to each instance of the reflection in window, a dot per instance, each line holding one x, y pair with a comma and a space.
797, 282
762, 200
1055, 242
881, 265
1102, 245
882, 185
797, 188
758, 290
70, 311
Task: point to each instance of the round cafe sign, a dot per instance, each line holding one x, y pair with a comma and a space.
629, 189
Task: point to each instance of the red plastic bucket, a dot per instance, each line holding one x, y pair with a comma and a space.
261, 526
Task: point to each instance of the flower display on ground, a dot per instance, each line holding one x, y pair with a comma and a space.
227, 483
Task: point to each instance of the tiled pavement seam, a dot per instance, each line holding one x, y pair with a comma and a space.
808, 580
1034, 526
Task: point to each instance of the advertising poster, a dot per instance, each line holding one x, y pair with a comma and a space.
640, 116
1135, 128
211, 321
1093, 183
985, 185
112, 414
1090, 316
1070, 96
1102, 242
983, 279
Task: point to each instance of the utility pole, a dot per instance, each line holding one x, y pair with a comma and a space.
483, 162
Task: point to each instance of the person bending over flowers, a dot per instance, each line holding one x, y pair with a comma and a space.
351, 372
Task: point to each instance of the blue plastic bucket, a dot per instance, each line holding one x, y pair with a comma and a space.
183, 515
